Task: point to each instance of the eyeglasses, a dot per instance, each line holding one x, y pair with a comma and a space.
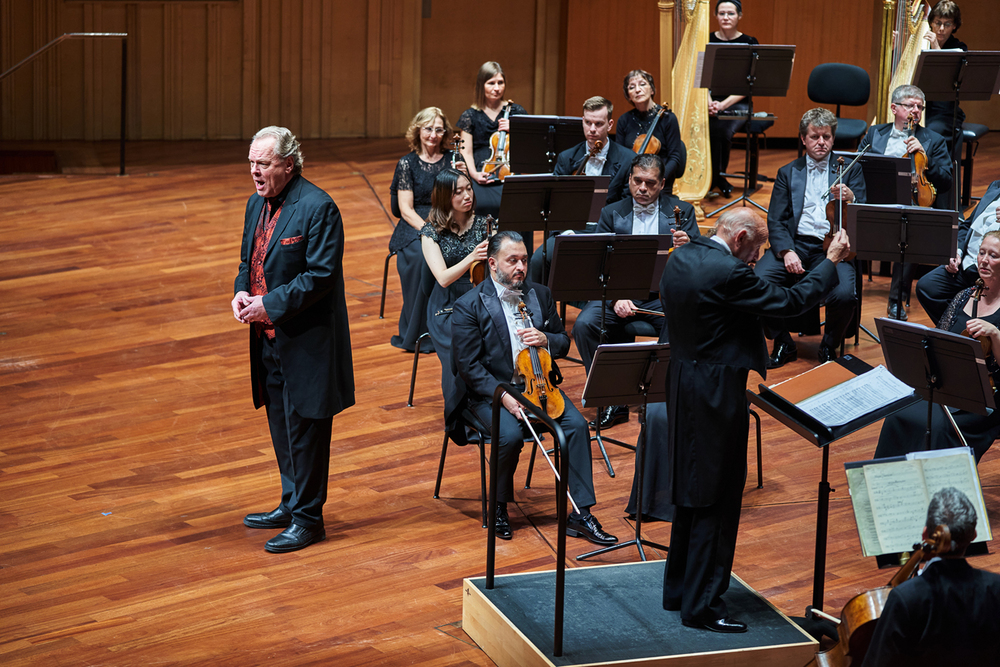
913, 106
433, 130
942, 24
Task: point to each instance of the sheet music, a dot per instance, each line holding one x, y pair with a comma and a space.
899, 503
699, 71
955, 467
858, 396
863, 511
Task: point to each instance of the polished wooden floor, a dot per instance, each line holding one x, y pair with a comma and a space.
131, 450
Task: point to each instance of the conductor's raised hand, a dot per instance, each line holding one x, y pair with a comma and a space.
840, 247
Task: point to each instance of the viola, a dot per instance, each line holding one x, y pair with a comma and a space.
647, 143
477, 270
497, 167
835, 207
677, 223
924, 192
598, 145
534, 365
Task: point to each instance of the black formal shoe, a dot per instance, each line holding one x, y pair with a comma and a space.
725, 189
587, 525
896, 312
726, 625
295, 537
611, 416
826, 353
276, 518
503, 530
782, 354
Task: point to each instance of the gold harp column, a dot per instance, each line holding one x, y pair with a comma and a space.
885, 61
666, 49
691, 105
915, 29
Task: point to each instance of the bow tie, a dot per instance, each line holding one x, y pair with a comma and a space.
816, 166
639, 209
900, 134
511, 296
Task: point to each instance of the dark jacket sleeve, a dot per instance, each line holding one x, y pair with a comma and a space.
242, 283
689, 220
779, 213
938, 161
673, 153
552, 326
606, 225
564, 166
469, 346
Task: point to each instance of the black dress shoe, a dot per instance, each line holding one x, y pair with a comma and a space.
276, 518
503, 530
896, 312
782, 354
826, 353
726, 625
611, 416
295, 537
725, 189
587, 525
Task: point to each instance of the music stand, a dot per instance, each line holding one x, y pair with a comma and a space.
942, 367
540, 139
894, 233
603, 266
957, 75
888, 179
748, 70
623, 374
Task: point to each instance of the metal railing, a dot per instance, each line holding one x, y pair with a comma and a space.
89, 35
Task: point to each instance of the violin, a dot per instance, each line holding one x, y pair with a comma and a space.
534, 365
598, 145
647, 143
477, 270
498, 165
924, 192
677, 224
861, 613
456, 149
835, 207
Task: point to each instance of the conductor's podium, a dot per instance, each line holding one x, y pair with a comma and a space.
614, 616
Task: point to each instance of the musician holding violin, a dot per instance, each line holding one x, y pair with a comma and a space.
494, 343
649, 127
903, 431
929, 161
597, 156
949, 613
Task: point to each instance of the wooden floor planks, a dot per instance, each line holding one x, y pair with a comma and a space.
131, 451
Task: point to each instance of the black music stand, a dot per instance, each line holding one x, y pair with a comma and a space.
542, 201
624, 374
822, 436
957, 75
748, 70
894, 233
603, 266
888, 179
540, 139
942, 367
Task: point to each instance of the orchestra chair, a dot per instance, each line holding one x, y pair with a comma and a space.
753, 130
413, 373
841, 84
394, 207
468, 418
972, 133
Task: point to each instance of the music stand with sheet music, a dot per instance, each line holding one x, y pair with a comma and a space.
941, 366
628, 374
888, 179
957, 75
894, 233
538, 140
747, 69
588, 267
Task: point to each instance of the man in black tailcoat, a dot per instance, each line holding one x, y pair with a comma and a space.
487, 335
290, 291
713, 303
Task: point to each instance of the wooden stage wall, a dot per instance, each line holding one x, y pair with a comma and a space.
223, 69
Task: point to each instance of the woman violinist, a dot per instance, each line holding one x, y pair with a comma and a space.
945, 19
427, 136
720, 132
452, 239
640, 88
478, 123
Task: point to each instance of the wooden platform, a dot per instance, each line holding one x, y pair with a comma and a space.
614, 616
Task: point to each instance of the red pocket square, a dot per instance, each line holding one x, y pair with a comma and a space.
290, 240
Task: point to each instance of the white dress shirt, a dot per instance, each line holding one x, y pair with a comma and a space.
595, 165
984, 222
510, 299
896, 146
646, 219
813, 221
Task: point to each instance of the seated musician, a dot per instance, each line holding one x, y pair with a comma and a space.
639, 87
936, 289
649, 210
894, 139
612, 159
948, 614
797, 224
903, 431
488, 335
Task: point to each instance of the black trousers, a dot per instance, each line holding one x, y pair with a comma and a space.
587, 328
301, 446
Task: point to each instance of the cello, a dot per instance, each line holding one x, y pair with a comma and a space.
497, 167
539, 374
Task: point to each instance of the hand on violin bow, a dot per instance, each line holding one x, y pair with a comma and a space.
792, 262
841, 191
624, 307
533, 337
953, 265
680, 238
840, 247
510, 405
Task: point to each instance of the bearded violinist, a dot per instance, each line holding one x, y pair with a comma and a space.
488, 334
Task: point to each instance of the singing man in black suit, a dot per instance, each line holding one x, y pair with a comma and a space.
487, 336
649, 210
948, 614
290, 291
894, 139
713, 304
797, 225
936, 289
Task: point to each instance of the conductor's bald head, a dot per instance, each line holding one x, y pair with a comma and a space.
744, 232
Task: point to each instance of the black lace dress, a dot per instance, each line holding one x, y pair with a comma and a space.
633, 122
481, 127
454, 248
415, 279
903, 432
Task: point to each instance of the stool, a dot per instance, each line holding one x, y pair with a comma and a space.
754, 130
972, 133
